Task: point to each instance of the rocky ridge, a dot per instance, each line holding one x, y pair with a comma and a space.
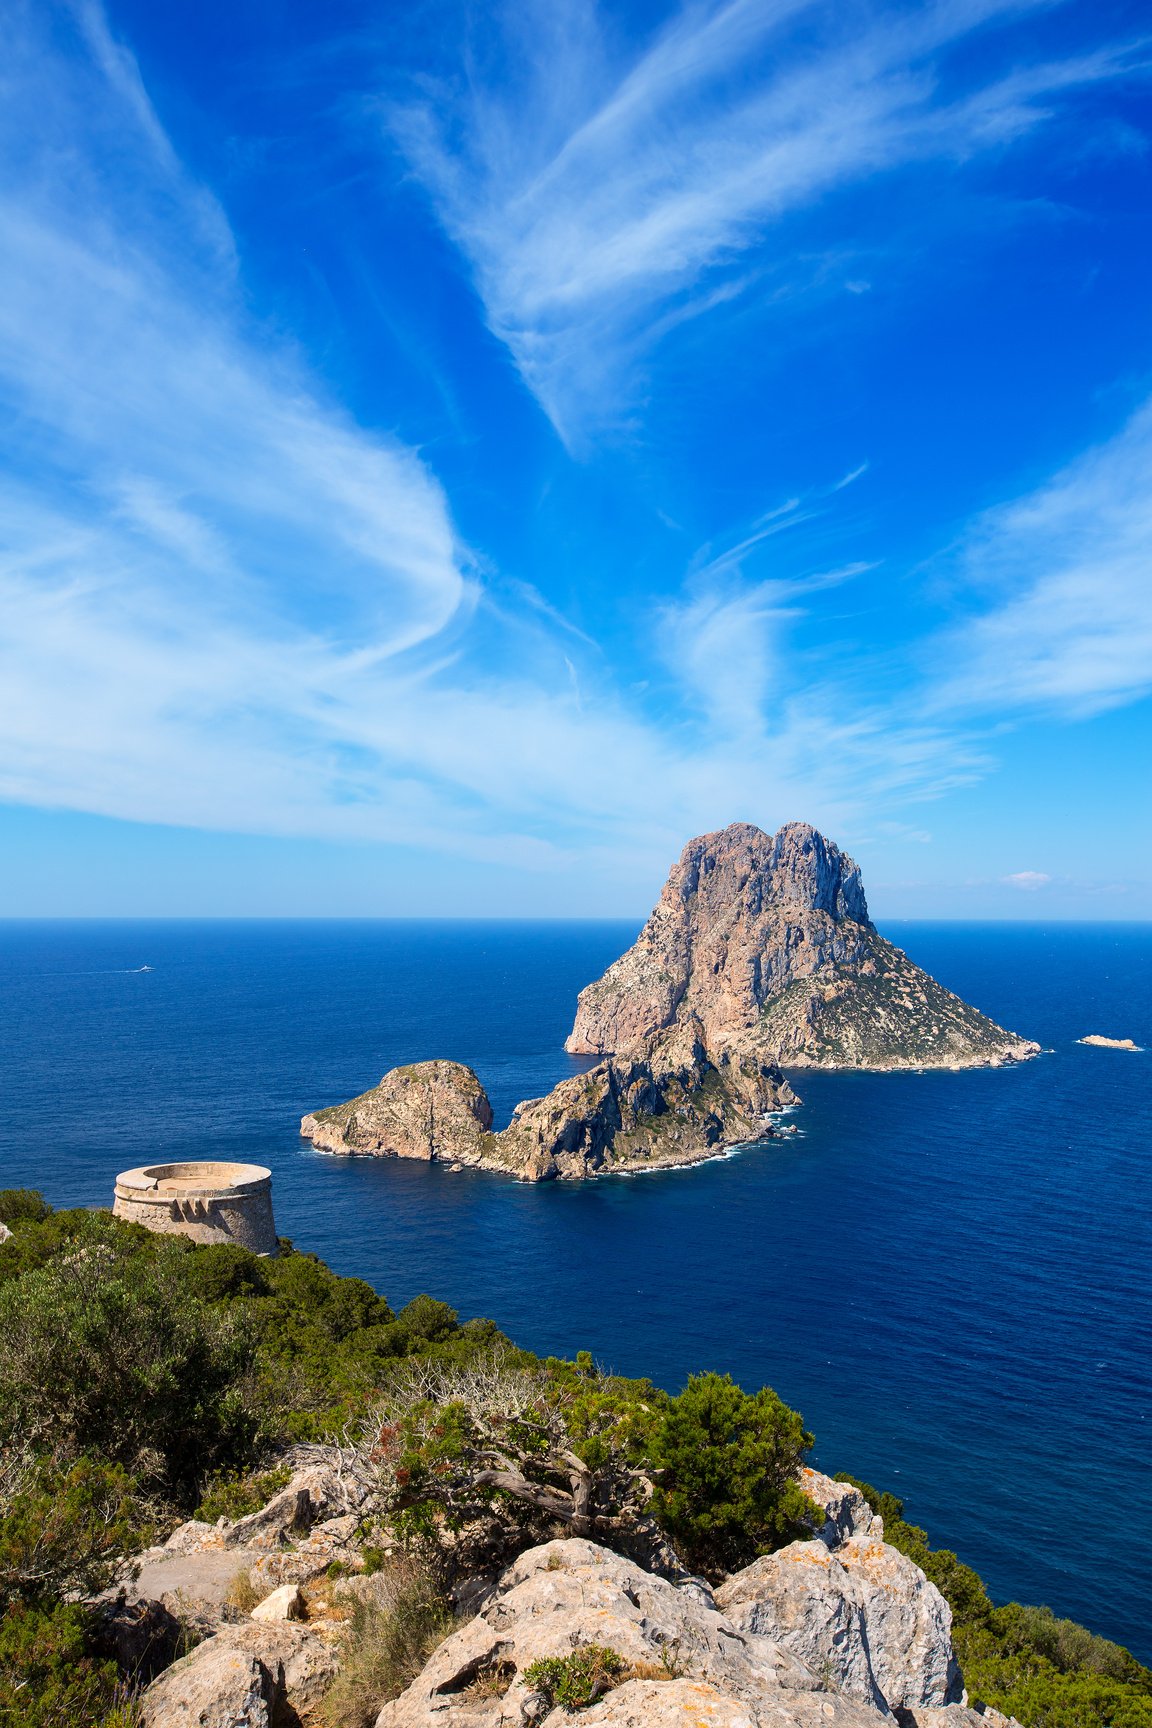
759, 952
840, 1631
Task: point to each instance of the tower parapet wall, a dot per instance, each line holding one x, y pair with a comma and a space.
206, 1201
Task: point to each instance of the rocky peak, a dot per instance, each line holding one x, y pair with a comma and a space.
766, 940
795, 867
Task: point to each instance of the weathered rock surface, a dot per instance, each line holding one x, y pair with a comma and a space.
766, 940
283, 1603
846, 1511
667, 1103
690, 1663
216, 1687
956, 1716
862, 1615
1096, 1038
5, 1234
423, 1110
252, 1676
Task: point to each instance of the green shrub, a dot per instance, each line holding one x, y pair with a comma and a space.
23, 1205
65, 1527
574, 1682
427, 1319
224, 1271
728, 1462
107, 1351
49, 1677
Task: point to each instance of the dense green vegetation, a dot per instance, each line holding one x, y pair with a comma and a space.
507, 1448
1048, 1673
144, 1379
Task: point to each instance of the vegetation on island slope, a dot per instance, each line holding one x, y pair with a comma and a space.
144, 1378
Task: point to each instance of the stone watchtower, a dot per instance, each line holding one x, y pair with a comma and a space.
209, 1202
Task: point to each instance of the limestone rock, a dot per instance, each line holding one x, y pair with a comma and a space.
691, 1703
428, 1110
766, 939
666, 1104
285, 1603
216, 1687
846, 1512
956, 1716
685, 1654
243, 1677
862, 1615
5, 1234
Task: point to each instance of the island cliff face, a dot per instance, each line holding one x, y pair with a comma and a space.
759, 952
766, 941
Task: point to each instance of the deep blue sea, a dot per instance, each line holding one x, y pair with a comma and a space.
947, 1273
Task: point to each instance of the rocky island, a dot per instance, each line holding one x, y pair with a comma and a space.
759, 953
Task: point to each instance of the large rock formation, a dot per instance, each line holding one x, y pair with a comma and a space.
666, 1103
865, 1639
864, 1608
765, 939
566, 1594
423, 1110
760, 952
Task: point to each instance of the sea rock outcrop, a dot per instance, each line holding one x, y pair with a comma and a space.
665, 1103
422, 1110
759, 952
766, 941
862, 1611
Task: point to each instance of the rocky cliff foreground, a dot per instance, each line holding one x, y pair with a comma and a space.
765, 939
841, 1631
759, 952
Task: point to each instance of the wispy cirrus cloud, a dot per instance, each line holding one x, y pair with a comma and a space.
1059, 582
226, 605
647, 192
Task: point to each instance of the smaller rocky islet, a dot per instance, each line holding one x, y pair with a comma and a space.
760, 952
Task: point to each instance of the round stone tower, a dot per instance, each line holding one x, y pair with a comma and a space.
209, 1202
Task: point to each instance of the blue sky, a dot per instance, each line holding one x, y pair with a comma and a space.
455, 453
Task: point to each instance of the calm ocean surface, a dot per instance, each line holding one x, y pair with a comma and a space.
947, 1273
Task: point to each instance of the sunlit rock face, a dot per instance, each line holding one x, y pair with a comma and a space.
766, 941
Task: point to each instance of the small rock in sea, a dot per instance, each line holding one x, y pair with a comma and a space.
1103, 1043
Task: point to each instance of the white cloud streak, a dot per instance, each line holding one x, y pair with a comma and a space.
589, 239
226, 605
1063, 581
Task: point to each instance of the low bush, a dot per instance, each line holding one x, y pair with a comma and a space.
574, 1682
237, 1493
50, 1676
